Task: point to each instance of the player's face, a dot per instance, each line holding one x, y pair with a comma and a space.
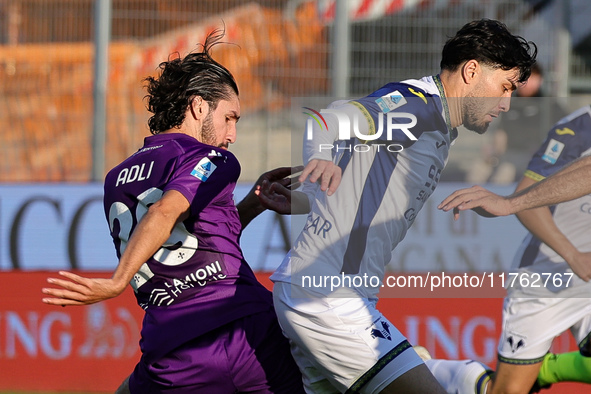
219, 126
490, 96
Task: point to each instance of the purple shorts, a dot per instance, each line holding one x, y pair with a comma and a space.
249, 355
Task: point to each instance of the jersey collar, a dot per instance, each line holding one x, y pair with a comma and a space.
453, 132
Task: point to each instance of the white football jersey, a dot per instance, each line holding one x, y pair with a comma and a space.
349, 236
568, 140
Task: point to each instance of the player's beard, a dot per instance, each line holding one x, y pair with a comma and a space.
474, 113
208, 135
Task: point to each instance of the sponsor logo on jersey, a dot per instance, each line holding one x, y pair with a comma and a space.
553, 151
209, 272
173, 289
318, 226
391, 101
160, 297
148, 149
586, 208
203, 169
410, 214
564, 131
214, 153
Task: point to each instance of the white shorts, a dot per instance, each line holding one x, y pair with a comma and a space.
531, 324
342, 343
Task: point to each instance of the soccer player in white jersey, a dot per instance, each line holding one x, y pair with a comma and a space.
548, 299
340, 341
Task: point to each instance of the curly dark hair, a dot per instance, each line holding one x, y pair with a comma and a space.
489, 42
181, 80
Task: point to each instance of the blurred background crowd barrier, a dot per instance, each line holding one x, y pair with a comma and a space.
283, 49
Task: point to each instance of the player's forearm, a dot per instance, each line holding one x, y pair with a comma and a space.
248, 209
572, 182
540, 222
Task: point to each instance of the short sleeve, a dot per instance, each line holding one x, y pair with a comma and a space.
566, 141
203, 178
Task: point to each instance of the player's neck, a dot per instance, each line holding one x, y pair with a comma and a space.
186, 128
453, 97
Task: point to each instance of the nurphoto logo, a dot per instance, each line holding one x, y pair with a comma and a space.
348, 128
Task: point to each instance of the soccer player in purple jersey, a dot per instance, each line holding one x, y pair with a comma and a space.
209, 325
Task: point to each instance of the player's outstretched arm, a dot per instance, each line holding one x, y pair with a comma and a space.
482, 201
571, 182
78, 290
150, 234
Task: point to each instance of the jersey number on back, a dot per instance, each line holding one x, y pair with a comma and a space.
177, 249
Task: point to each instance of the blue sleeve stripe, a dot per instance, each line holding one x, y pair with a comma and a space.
530, 253
346, 157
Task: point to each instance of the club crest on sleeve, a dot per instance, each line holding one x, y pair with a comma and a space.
381, 331
203, 169
553, 151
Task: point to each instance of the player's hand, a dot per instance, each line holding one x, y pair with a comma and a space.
281, 199
482, 201
326, 171
280, 175
276, 192
78, 290
278, 198
581, 265
274, 196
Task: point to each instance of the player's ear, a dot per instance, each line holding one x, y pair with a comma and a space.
470, 71
199, 108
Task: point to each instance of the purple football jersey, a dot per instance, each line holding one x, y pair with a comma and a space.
198, 280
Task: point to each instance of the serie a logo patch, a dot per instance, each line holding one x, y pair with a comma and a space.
553, 151
203, 169
391, 101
